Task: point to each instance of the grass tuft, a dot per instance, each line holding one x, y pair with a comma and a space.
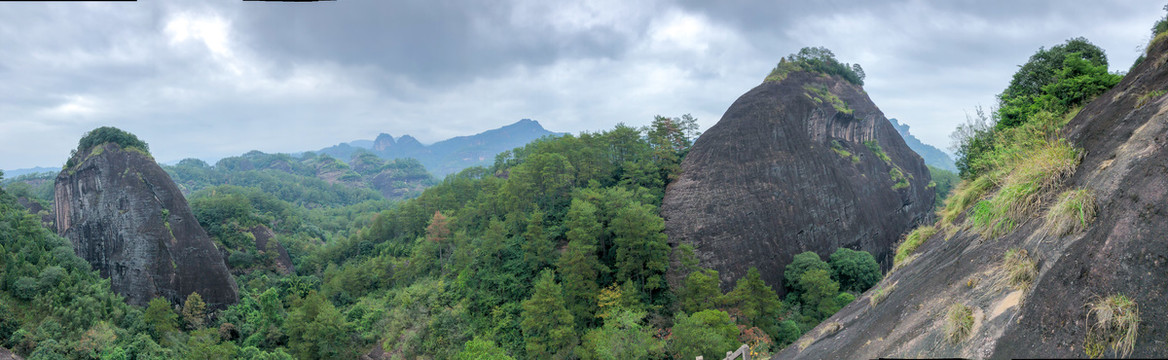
966, 194
830, 328
878, 295
820, 94
839, 149
1074, 210
1022, 188
1149, 96
958, 323
1112, 321
1021, 269
912, 242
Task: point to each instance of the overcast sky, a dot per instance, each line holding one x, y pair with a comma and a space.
210, 79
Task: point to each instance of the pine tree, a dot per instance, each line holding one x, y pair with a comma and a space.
547, 325
194, 311
537, 249
579, 267
642, 254
700, 291
757, 302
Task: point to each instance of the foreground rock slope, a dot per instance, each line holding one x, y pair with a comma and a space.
128, 219
806, 163
1123, 252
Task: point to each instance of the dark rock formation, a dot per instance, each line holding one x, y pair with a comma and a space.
128, 219
787, 170
1122, 134
265, 240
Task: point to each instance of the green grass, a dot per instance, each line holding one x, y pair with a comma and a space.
912, 242
1112, 321
958, 323
1021, 269
878, 295
966, 194
821, 94
1074, 210
876, 149
839, 149
1022, 188
1149, 96
898, 178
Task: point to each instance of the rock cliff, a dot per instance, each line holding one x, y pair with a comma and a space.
806, 163
128, 219
1121, 252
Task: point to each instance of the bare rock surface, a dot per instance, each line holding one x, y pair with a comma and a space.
1123, 251
787, 170
126, 217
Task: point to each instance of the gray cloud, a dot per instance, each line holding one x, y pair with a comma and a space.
214, 79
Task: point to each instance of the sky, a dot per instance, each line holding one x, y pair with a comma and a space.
210, 79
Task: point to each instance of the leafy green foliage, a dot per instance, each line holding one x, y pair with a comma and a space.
803, 262
944, 182
820, 94
757, 302
547, 325
700, 291
621, 337
708, 333
816, 59
856, 271
107, 134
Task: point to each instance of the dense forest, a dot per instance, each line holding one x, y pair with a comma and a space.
555, 251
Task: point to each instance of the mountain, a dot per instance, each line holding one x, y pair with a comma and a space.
8, 174
802, 163
447, 156
127, 218
1076, 269
933, 156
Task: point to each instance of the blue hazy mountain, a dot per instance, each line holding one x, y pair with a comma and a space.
450, 155
932, 155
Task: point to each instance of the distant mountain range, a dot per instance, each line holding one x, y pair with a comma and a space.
933, 156
447, 156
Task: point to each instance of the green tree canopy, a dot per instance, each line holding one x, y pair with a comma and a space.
708, 333
108, 134
802, 263
548, 327
856, 271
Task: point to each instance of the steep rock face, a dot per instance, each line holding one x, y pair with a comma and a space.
1123, 251
128, 219
265, 240
786, 171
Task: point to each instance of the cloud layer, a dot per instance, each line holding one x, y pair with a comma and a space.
219, 78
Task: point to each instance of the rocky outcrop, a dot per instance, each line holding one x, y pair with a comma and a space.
807, 163
128, 219
1121, 252
265, 241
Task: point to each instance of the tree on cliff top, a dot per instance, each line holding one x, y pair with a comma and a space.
820, 60
108, 134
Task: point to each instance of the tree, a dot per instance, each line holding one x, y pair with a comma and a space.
642, 254
671, 139
316, 330
537, 247
481, 349
160, 318
802, 263
756, 301
579, 267
194, 311
547, 325
708, 333
700, 291
856, 271
819, 293
621, 337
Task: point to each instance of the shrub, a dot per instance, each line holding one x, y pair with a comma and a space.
839, 149
821, 94
958, 323
912, 242
803, 262
1020, 269
107, 134
876, 149
855, 270
1112, 321
1073, 211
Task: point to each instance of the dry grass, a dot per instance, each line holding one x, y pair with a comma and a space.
1023, 187
1074, 210
912, 242
1020, 268
1112, 321
958, 323
830, 328
878, 295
